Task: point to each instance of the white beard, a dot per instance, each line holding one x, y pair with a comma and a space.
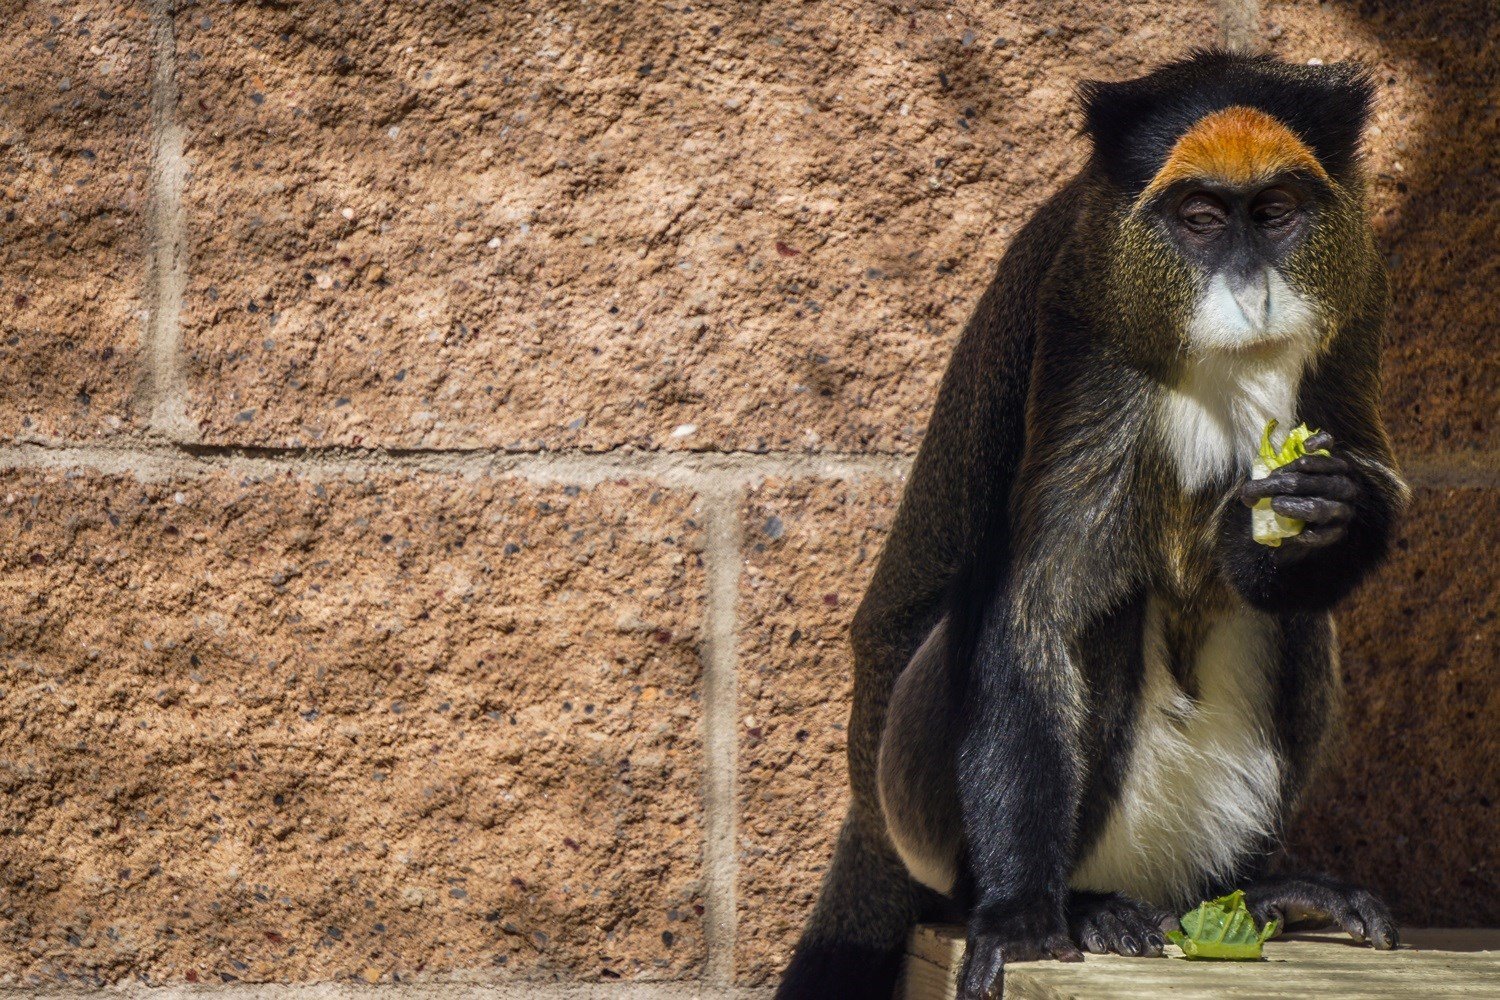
1220, 324
1241, 372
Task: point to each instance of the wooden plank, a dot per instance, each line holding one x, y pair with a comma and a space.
1431, 963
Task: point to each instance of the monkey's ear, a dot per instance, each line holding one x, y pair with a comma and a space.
1114, 118
1133, 123
1329, 107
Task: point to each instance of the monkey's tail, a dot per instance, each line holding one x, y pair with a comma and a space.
855, 939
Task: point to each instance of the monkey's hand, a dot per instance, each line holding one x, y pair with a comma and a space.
1027, 935
1316, 489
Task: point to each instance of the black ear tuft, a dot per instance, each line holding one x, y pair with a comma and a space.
1134, 123
1335, 105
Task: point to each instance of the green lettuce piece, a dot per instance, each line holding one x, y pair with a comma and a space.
1223, 930
1267, 526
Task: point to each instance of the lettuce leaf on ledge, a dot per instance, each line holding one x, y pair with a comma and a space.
1222, 929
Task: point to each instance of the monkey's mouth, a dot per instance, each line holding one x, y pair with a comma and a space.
1252, 316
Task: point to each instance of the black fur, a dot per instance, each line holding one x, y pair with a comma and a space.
861, 972
1116, 673
1135, 123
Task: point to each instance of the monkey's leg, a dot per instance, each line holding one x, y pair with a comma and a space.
918, 795
868, 903
1308, 720
1312, 901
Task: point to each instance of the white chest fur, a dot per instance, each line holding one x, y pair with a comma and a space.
1241, 373
1204, 782
1211, 421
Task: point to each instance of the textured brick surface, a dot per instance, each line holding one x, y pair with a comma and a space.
73, 166
1413, 808
368, 727
551, 225
1435, 154
809, 550
290, 730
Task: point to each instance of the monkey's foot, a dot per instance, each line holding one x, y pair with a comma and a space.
1025, 937
1304, 902
1104, 922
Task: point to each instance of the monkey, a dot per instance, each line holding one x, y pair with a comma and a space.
1085, 697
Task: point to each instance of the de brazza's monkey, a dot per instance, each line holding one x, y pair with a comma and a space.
1085, 698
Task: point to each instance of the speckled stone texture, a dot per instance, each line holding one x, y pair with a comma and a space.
1434, 157
809, 550
288, 730
1413, 807
584, 225
74, 152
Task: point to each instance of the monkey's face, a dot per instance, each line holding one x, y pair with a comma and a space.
1238, 199
1240, 240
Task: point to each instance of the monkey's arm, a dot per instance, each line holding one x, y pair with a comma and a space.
1350, 505
1020, 764
1018, 780
1351, 499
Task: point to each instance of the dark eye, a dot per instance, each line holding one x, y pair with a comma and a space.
1202, 213
1274, 208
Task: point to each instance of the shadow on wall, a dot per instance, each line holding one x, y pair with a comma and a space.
1412, 811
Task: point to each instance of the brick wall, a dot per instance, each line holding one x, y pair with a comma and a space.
444, 444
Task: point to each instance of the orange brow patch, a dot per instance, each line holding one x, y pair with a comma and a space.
1238, 145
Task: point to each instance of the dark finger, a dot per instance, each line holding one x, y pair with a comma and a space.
1383, 935
983, 975
1313, 510
1062, 948
1350, 920
1314, 537
1086, 932
1158, 922
1114, 932
1152, 941
1380, 928
1325, 464
1281, 483
1264, 913
1322, 439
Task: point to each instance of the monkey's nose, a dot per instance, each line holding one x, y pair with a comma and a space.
1252, 293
